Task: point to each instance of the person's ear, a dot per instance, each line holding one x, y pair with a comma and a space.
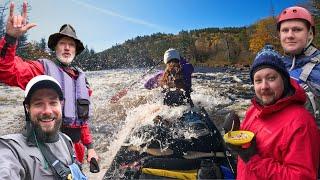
310, 35
62, 103
27, 108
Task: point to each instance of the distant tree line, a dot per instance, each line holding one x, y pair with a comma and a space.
202, 47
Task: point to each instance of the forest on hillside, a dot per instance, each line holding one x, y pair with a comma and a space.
207, 47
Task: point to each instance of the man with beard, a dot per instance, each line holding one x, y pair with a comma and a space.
41, 151
286, 139
15, 71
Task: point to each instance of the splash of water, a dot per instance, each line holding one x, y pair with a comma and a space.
134, 118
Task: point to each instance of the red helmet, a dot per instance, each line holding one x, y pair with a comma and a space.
295, 12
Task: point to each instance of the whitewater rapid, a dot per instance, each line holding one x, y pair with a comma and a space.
215, 90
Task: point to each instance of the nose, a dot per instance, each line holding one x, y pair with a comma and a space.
265, 85
47, 110
290, 33
67, 46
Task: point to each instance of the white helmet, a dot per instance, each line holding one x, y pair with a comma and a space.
39, 82
170, 54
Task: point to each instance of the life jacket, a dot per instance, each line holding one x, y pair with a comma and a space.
309, 84
44, 165
76, 108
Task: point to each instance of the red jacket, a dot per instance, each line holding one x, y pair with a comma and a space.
15, 71
287, 140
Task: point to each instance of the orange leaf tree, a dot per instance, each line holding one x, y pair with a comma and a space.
265, 33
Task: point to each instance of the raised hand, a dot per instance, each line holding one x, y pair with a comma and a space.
17, 24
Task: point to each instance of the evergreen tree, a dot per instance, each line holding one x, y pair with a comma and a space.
82, 60
43, 44
92, 52
316, 12
3, 7
313, 6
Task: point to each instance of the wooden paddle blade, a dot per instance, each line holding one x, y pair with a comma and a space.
115, 98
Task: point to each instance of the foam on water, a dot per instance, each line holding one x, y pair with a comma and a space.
140, 115
112, 122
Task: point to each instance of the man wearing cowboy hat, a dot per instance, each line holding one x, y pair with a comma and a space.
15, 71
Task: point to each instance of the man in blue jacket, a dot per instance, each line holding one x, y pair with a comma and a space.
297, 30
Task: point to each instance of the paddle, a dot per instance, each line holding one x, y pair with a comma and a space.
115, 98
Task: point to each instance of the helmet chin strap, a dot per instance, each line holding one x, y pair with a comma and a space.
293, 63
310, 38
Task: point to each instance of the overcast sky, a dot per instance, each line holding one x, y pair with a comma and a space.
103, 23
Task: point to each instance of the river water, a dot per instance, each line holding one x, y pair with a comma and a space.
217, 90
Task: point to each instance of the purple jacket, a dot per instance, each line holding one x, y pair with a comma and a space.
187, 68
187, 71
154, 81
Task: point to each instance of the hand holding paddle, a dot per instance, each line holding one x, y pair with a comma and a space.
115, 98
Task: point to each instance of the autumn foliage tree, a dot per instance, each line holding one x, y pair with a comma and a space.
265, 33
3, 8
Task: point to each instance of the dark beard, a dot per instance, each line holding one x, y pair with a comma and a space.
47, 137
259, 101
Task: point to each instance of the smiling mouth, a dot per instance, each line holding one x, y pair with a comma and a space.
47, 120
266, 95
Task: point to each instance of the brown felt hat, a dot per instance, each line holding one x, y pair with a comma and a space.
66, 30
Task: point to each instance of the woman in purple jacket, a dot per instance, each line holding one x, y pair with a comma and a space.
175, 79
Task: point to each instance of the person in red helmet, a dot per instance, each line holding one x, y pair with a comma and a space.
16, 71
296, 29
